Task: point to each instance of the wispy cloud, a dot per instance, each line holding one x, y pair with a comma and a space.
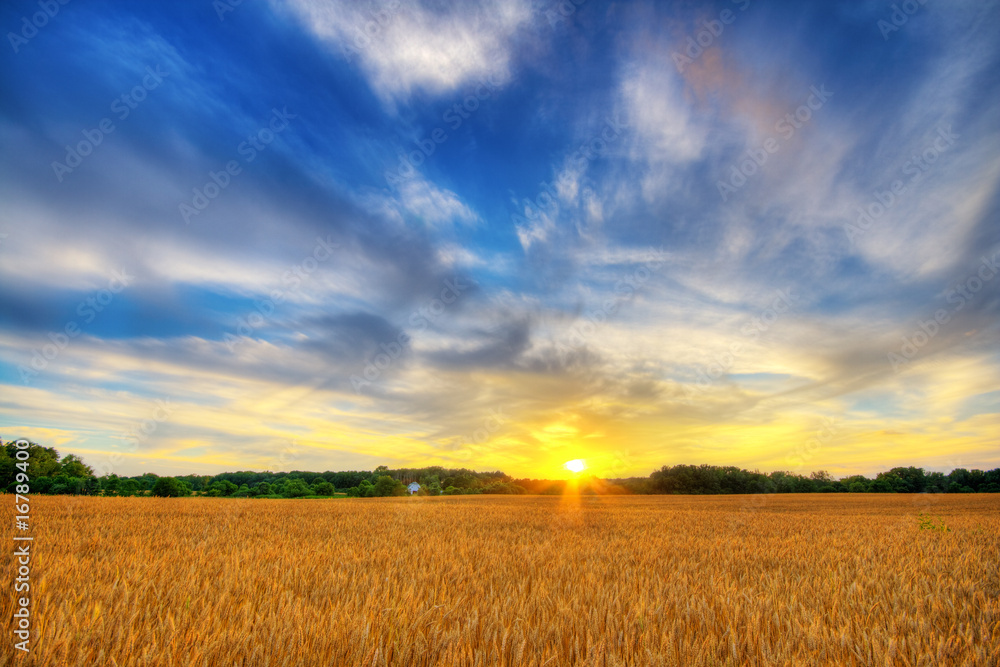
413, 46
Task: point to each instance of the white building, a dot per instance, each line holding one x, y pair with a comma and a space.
413, 488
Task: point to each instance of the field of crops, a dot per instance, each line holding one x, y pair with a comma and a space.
488, 580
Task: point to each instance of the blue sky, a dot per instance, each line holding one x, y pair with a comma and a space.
319, 235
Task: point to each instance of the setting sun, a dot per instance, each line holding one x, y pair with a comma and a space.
576, 465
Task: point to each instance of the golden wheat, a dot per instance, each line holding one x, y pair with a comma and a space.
752, 580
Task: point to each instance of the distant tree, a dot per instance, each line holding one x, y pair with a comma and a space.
146, 481
72, 466
109, 484
387, 486
91, 485
504, 488
296, 488
802, 484
168, 487
957, 478
976, 479
913, 479
430, 485
323, 489
60, 485
128, 487
936, 482
221, 488
42, 462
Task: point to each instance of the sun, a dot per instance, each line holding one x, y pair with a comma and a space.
576, 465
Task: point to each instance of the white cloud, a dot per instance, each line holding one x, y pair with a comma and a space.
432, 205
419, 201
403, 47
664, 128
536, 230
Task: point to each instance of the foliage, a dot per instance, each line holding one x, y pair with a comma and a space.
168, 487
70, 475
928, 523
387, 486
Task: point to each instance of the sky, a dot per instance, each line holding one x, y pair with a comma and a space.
315, 235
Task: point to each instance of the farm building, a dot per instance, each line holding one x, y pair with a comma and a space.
413, 488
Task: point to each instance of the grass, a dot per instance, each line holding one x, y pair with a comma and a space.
467, 580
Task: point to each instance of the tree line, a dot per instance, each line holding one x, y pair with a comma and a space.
51, 474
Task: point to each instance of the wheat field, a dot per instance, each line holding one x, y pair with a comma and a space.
487, 580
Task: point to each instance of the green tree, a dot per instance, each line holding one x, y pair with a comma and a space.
430, 485
296, 488
128, 487
888, 482
936, 482
91, 486
914, 480
387, 486
323, 489
147, 480
109, 484
42, 462
222, 488
72, 466
168, 487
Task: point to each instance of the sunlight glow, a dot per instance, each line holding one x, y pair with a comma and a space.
576, 465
